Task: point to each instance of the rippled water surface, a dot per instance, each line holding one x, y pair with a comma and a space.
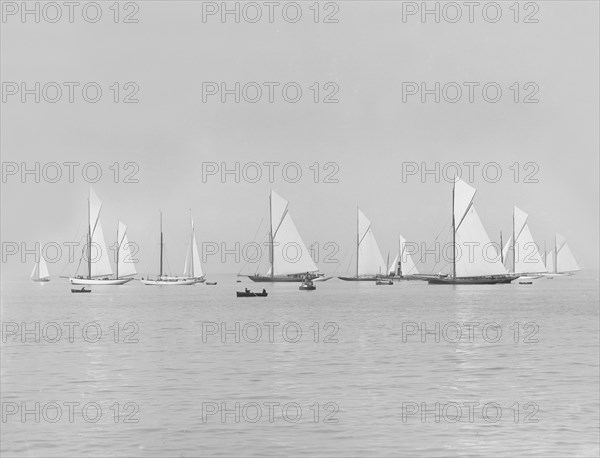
351, 383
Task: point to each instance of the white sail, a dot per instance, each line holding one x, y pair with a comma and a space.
550, 261
527, 258
34, 272
507, 253
290, 255
42, 268
196, 264
408, 265
370, 260
393, 268
125, 261
565, 261
475, 255
100, 259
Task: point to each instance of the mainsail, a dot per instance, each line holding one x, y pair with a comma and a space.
565, 261
289, 254
193, 267
370, 261
99, 263
125, 261
474, 253
522, 256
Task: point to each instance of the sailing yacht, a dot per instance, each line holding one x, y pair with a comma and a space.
99, 271
403, 267
467, 230
370, 265
560, 261
40, 269
520, 254
289, 259
192, 270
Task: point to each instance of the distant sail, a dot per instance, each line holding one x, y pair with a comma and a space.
565, 261
475, 254
193, 266
370, 260
100, 265
408, 265
290, 255
527, 258
125, 261
40, 269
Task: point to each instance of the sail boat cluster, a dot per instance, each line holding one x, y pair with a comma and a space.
519, 257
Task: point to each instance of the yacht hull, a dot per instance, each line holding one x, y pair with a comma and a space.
99, 281
483, 280
173, 281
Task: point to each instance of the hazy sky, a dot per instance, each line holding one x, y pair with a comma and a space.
369, 133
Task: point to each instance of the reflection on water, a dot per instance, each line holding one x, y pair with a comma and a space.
351, 394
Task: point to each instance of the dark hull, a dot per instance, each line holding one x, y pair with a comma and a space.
244, 294
487, 280
81, 290
307, 288
281, 279
384, 282
359, 278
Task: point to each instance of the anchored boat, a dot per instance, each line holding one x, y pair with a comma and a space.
192, 272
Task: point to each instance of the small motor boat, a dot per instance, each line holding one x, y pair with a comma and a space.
384, 282
307, 286
82, 290
249, 293
525, 282
211, 283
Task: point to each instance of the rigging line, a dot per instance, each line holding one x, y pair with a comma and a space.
73, 238
254, 240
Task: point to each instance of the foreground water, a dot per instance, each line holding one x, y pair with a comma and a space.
167, 378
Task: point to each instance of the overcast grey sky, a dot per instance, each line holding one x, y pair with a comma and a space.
369, 133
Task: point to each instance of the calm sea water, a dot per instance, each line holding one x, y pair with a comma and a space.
357, 387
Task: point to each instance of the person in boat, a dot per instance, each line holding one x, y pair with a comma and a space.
264, 291
247, 290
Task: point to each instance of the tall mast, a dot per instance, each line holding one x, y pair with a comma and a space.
89, 250
357, 241
400, 254
555, 260
387, 263
453, 234
501, 250
545, 254
161, 248
271, 256
192, 246
514, 254
118, 246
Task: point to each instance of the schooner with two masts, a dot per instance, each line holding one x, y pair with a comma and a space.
192, 272
98, 269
